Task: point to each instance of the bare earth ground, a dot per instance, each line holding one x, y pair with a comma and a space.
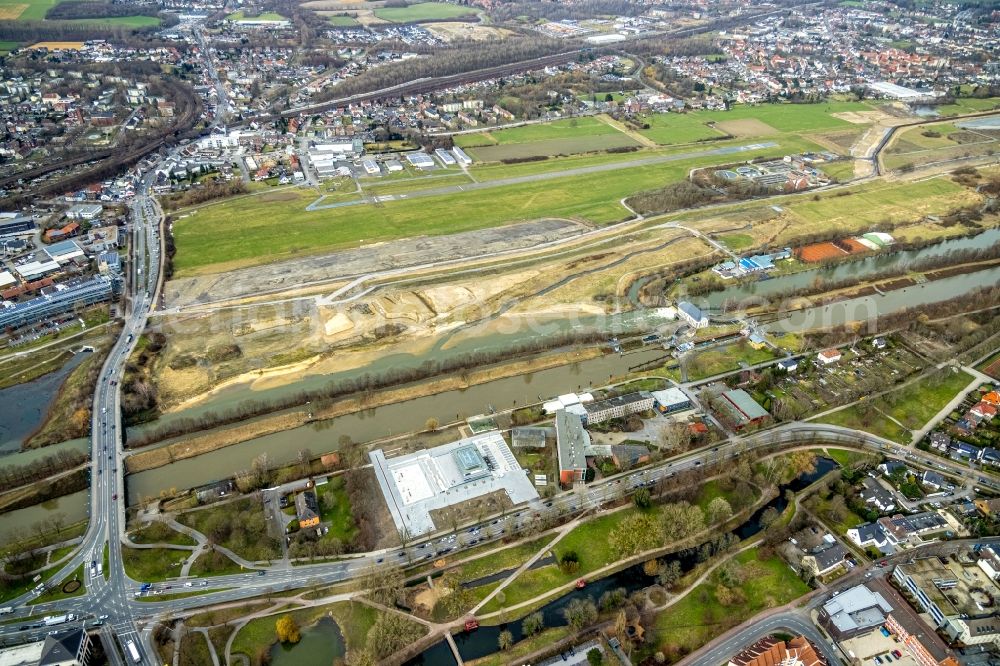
295, 273
12, 12
451, 31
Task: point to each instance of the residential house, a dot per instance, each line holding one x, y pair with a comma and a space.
890, 467
828, 356
939, 440
988, 507
307, 509
933, 480
868, 535
875, 493
984, 410
825, 558
769, 651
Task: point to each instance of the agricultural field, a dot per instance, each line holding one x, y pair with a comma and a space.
872, 204
127, 21
342, 21
25, 10
422, 11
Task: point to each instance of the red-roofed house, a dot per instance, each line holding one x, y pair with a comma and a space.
984, 410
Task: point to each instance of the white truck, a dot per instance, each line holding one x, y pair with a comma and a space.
6, 610
52, 620
133, 652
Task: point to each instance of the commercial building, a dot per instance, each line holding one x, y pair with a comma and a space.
64, 648
618, 407
445, 157
461, 156
853, 612
63, 300
958, 595
671, 400
33, 270
420, 160
64, 252
572, 440
13, 226
417, 485
692, 315
84, 212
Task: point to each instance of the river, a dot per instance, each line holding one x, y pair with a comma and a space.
403, 417
756, 291
23, 407
17, 524
483, 641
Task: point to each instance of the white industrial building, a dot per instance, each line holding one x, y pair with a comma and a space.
420, 160
416, 484
461, 156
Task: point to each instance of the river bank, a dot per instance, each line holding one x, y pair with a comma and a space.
201, 444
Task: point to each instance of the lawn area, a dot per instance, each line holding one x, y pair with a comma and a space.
416, 184
842, 170
591, 544
968, 105
723, 359
342, 21
791, 117
252, 230
354, 619
336, 509
569, 128
157, 532
508, 558
266, 16
736, 242
422, 11
868, 205
239, 525
153, 564
212, 563
60, 553
701, 616
25, 10
916, 404
525, 647
843, 457
56, 593
7, 46
850, 417
671, 128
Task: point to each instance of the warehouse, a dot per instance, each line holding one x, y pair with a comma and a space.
461, 156
671, 400
36, 269
420, 160
445, 157
64, 252
11, 226
417, 484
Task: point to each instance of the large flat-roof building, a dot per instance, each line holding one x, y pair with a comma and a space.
63, 300
741, 408
11, 227
572, 440
618, 407
418, 484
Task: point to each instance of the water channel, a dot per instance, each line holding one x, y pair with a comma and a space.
409, 416
483, 641
321, 644
23, 407
848, 270
18, 523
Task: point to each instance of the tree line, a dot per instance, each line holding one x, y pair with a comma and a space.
14, 476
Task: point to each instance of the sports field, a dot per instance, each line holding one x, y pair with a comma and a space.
266, 16
259, 229
422, 11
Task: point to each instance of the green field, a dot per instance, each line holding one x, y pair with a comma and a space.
569, 128
342, 21
253, 230
153, 564
917, 403
871, 204
266, 16
701, 616
6, 47
422, 11
670, 128
791, 117
26, 10
339, 515
551, 147
127, 21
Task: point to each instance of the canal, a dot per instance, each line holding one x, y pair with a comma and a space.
483, 641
